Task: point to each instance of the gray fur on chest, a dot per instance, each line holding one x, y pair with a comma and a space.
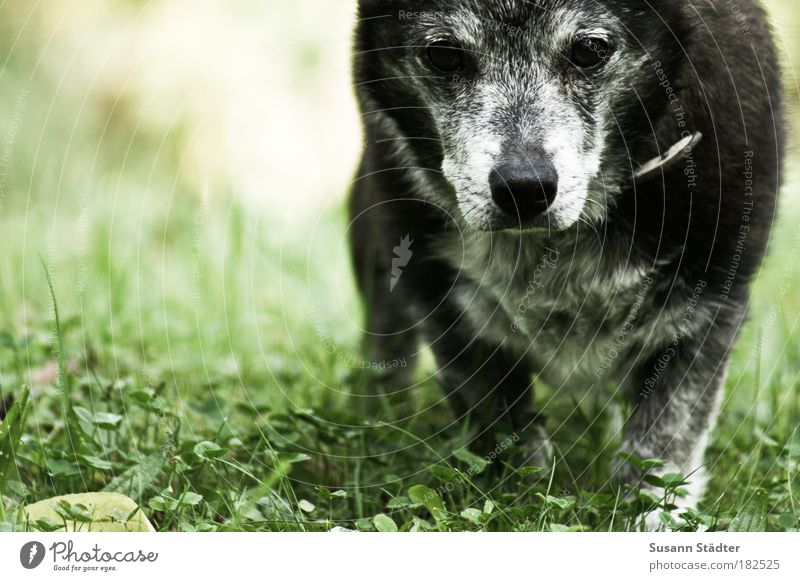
572, 309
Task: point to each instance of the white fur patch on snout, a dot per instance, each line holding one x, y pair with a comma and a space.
475, 143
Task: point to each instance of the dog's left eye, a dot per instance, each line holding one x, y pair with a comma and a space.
445, 56
590, 53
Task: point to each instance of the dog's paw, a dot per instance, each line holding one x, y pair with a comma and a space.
688, 495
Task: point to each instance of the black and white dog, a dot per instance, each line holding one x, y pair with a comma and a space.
580, 190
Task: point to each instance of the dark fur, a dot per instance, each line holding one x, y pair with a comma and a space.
728, 83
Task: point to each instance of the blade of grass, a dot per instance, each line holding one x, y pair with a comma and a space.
11, 430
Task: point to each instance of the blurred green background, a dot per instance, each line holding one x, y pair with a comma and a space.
156, 156
178, 168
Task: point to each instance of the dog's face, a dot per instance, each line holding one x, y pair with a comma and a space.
518, 103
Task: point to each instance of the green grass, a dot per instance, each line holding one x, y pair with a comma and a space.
215, 401
198, 363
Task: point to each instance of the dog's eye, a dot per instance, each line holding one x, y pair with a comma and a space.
445, 57
590, 53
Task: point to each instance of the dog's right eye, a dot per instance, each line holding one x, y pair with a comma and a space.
445, 57
589, 53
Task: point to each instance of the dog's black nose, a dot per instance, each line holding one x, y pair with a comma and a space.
524, 188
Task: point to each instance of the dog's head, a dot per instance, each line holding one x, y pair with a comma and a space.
526, 108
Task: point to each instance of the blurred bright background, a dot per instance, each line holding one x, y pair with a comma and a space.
252, 96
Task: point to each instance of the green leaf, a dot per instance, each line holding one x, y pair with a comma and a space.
444, 473
673, 479
209, 450
788, 521
384, 524
668, 520
420, 524
190, 499
399, 502
477, 465
769, 442
648, 497
753, 517
96, 462
78, 512
365, 524
84, 414
306, 506
631, 459
139, 478
430, 499
474, 516
653, 480
652, 464
425, 496
294, 458
559, 503
58, 467
641, 463
107, 421
47, 525
162, 504
149, 401
103, 420
275, 507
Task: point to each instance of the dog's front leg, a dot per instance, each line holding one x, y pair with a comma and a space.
677, 402
487, 385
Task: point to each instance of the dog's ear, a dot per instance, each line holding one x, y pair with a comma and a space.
379, 22
400, 9
378, 8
